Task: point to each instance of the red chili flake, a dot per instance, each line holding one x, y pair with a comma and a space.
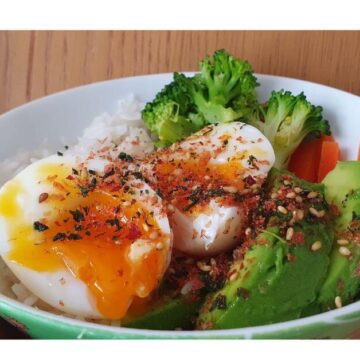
334, 210
298, 238
291, 207
249, 180
134, 232
59, 186
270, 205
43, 197
260, 221
70, 177
356, 272
340, 285
290, 257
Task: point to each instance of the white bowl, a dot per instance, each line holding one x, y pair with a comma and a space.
64, 115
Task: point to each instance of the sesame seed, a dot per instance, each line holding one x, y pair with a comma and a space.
318, 214
344, 251
343, 242
234, 276
203, 267
338, 302
273, 196
312, 195
186, 288
159, 246
282, 210
298, 199
298, 214
230, 189
291, 195
316, 246
287, 182
289, 233
213, 262
297, 189
248, 231
43, 197
171, 207
145, 227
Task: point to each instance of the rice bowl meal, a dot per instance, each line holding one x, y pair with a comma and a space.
203, 209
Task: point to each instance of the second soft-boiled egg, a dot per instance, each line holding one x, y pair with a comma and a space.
83, 236
207, 179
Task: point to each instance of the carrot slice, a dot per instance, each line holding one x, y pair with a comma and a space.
330, 155
314, 158
327, 137
305, 160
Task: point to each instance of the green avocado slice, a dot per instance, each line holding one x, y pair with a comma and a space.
271, 286
343, 279
173, 314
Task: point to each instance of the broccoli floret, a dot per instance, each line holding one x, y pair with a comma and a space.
225, 88
223, 91
168, 115
286, 120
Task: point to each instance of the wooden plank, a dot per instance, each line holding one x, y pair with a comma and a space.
34, 64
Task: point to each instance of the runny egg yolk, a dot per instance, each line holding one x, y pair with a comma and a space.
91, 234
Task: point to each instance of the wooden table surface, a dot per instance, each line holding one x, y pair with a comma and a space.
37, 63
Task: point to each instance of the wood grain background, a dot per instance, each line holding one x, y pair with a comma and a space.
37, 63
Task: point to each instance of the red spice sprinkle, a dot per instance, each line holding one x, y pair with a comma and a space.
298, 238
59, 186
334, 210
134, 232
290, 257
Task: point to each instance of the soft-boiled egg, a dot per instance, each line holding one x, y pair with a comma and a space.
84, 236
206, 179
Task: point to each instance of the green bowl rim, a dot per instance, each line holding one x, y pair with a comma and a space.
331, 316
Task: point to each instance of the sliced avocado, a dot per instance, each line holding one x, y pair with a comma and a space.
176, 313
343, 279
276, 279
340, 181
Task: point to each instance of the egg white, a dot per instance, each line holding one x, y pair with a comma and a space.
215, 227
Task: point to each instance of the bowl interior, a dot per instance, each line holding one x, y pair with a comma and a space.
61, 117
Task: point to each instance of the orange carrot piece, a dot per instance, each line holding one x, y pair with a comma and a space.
327, 137
304, 162
330, 155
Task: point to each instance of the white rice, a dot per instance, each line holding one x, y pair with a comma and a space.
110, 133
